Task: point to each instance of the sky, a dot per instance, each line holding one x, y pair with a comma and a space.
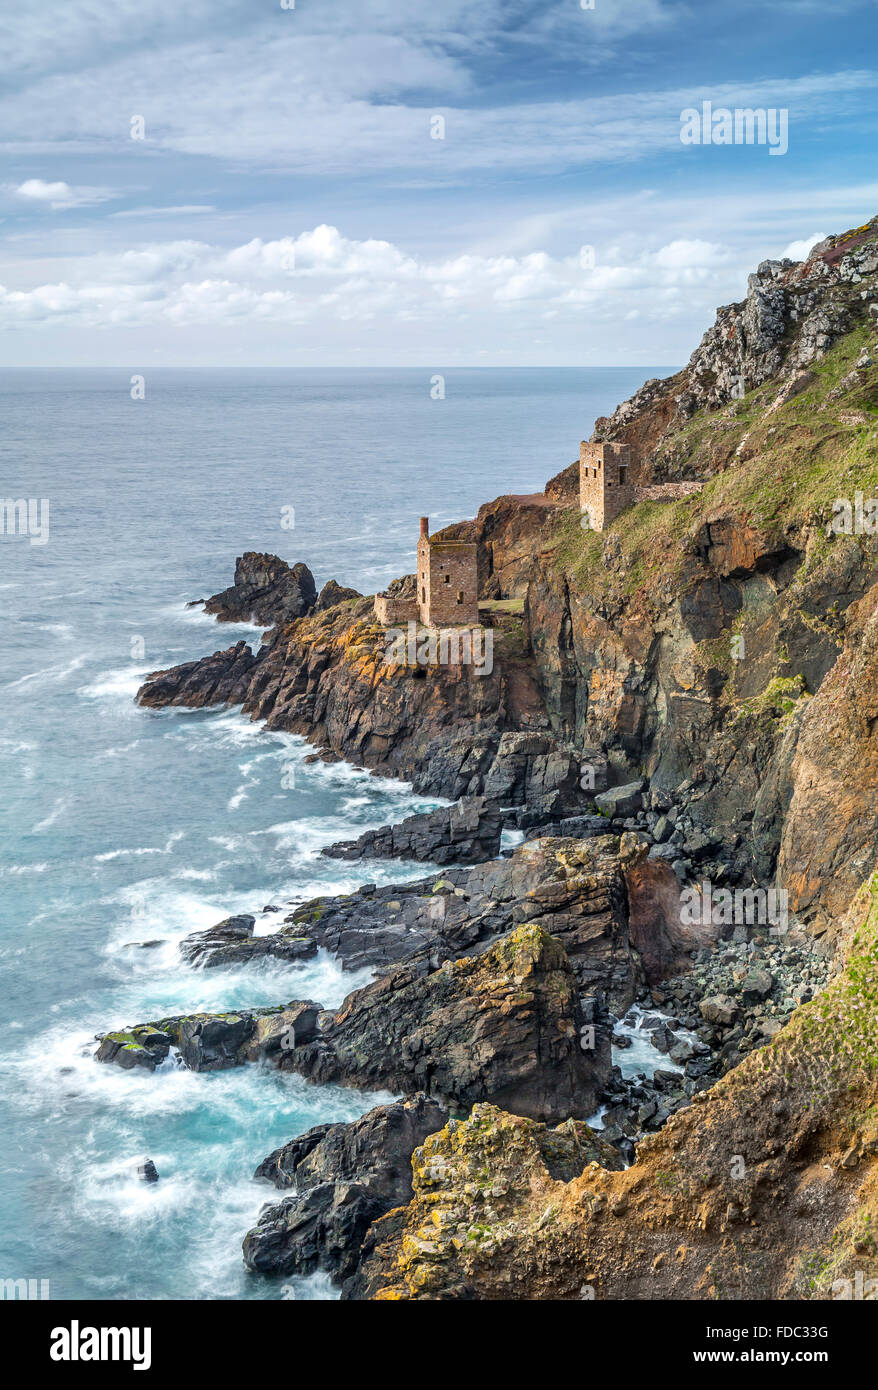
407, 183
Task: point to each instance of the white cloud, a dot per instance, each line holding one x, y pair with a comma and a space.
798, 250
178, 210
323, 274
59, 194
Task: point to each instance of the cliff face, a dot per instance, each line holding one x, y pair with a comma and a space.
326, 676
691, 641
715, 658
794, 312
767, 1188
686, 642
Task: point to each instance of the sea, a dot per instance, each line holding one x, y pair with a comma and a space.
121, 826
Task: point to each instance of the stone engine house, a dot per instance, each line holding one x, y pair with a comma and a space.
448, 581
606, 485
447, 586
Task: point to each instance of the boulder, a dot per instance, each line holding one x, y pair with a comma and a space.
231, 942
266, 590
342, 1177
720, 1009
756, 986
617, 802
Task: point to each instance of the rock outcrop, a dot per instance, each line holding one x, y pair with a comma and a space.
333, 593
232, 942
793, 314
327, 676
766, 1188
574, 889
212, 1042
465, 833
506, 1025
342, 1178
266, 590
831, 827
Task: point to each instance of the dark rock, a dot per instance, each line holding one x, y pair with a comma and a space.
333, 593
503, 1026
465, 833
232, 942
620, 801
756, 986
266, 590
212, 1042
345, 1176
148, 1171
573, 888
221, 679
719, 1009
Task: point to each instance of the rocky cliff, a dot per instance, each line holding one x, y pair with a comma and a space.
699, 681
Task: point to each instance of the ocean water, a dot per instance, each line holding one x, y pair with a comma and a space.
120, 826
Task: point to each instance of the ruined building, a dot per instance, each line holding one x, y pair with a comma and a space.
447, 586
605, 482
607, 485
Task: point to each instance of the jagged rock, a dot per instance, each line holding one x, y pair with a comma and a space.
212, 1042
327, 677
465, 833
719, 1009
620, 801
221, 679
573, 888
785, 1222
333, 593
231, 942
461, 1201
344, 1177
504, 1026
792, 315
266, 590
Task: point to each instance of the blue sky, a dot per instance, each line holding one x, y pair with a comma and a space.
289, 206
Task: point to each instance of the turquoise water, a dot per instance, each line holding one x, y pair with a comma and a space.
121, 826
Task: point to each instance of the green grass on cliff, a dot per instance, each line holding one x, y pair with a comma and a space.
794, 461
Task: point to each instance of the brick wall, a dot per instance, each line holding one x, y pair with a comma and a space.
448, 585
606, 484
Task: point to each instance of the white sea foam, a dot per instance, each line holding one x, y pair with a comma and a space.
167, 848
11, 747
119, 752
124, 682
57, 811
48, 674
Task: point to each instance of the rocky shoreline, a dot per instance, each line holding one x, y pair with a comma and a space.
681, 714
